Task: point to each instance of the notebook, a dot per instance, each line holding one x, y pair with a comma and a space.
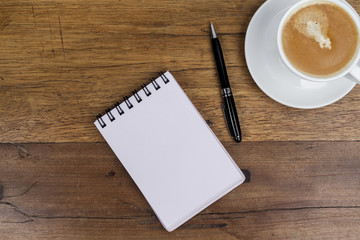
169, 151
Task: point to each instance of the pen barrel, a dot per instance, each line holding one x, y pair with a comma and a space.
231, 116
220, 63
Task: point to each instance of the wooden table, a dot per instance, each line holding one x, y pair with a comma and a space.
63, 62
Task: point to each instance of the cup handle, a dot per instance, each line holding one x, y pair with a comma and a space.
355, 72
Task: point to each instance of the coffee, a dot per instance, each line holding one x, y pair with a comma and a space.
320, 39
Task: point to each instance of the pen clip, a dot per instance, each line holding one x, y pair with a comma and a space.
228, 120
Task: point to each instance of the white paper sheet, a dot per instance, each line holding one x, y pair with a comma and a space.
171, 153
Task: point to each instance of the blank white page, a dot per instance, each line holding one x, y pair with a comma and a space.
171, 153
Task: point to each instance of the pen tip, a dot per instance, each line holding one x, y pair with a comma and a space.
213, 33
238, 138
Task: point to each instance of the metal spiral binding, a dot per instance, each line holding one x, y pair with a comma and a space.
136, 96
128, 103
164, 78
109, 114
100, 120
155, 84
146, 90
119, 109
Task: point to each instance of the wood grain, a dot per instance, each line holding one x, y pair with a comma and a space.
299, 190
63, 62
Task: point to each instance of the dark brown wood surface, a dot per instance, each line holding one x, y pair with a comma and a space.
63, 62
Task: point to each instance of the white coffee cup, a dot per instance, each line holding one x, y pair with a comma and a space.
352, 69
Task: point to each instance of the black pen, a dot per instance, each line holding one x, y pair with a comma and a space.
229, 108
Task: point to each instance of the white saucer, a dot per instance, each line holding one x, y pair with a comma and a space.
270, 72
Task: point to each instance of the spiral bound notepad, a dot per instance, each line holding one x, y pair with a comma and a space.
170, 152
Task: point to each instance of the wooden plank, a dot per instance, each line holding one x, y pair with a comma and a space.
299, 190
63, 62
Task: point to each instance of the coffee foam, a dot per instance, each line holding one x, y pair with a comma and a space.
313, 23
